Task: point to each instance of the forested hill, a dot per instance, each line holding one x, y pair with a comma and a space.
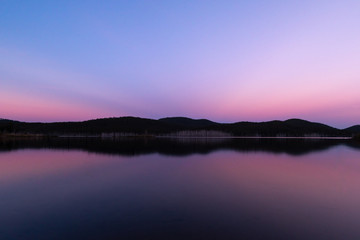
354, 129
178, 126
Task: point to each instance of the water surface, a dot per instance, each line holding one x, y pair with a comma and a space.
179, 189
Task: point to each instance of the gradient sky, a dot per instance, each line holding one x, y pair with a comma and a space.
222, 60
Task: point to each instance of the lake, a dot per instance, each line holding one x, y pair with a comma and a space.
179, 189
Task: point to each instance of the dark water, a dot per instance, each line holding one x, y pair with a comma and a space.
180, 189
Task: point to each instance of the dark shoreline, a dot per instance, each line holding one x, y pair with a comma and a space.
30, 135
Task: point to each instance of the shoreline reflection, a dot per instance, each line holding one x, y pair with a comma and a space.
180, 146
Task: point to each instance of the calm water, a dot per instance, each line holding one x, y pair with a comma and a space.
180, 189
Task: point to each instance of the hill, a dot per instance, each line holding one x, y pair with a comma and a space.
291, 127
354, 129
188, 122
174, 125
106, 125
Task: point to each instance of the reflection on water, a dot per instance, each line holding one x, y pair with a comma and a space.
179, 146
188, 189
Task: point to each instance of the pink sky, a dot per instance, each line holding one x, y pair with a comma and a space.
231, 62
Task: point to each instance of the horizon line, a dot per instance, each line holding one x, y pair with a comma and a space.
156, 119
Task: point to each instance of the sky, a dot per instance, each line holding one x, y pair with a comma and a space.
226, 61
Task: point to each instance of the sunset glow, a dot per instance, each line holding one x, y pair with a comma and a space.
224, 61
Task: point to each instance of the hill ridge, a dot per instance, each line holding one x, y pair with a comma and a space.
169, 125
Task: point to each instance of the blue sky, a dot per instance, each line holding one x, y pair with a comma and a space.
223, 60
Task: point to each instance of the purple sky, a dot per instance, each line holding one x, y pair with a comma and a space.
222, 60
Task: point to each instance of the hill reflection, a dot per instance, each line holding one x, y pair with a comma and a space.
177, 146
